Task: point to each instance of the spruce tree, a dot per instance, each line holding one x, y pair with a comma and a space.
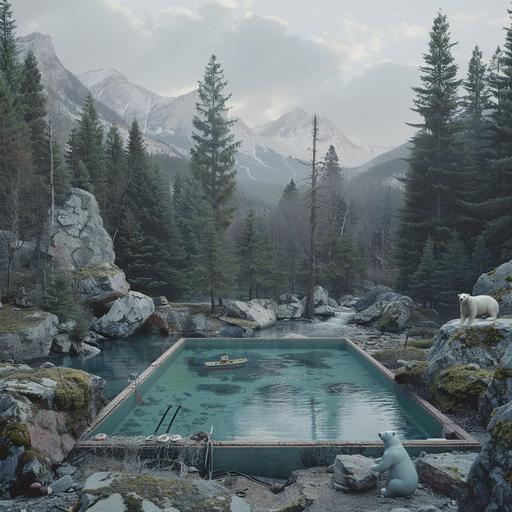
9, 68
213, 153
16, 210
433, 190
86, 153
213, 165
116, 178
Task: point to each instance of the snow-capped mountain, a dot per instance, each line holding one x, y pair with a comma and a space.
66, 93
291, 134
170, 120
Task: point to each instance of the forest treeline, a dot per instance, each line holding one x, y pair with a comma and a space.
183, 231
456, 221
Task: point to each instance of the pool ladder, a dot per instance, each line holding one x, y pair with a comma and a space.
172, 419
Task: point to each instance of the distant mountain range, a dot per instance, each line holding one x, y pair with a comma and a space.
264, 155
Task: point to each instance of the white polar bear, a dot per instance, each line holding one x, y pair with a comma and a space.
402, 478
480, 305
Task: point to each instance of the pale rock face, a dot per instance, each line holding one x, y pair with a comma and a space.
80, 238
125, 316
252, 311
498, 284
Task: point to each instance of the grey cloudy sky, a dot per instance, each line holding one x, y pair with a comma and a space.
353, 61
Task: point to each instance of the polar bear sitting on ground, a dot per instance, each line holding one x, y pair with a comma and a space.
480, 305
402, 478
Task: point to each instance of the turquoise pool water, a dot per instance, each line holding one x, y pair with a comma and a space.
290, 390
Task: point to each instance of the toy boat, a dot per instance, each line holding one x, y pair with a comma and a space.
225, 363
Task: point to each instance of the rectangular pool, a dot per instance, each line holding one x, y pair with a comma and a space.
289, 390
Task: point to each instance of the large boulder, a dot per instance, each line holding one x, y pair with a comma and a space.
253, 311
289, 310
101, 283
396, 314
42, 413
80, 239
489, 481
378, 293
498, 284
483, 343
320, 296
188, 319
122, 492
499, 391
26, 334
125, 316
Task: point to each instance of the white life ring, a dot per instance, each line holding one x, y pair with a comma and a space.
164, 438
175, 438
100, 437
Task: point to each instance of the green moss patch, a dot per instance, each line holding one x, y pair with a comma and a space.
13, 320
421, 343
389, 358
502, 434
412, 376
503, 373
459, 388
97, 271
478, 336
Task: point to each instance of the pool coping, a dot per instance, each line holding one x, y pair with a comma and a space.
463, 440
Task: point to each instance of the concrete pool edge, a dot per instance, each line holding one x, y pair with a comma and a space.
274, 458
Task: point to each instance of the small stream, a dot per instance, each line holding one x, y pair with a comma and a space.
121, 357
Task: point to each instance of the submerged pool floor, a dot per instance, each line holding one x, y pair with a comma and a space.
309, 392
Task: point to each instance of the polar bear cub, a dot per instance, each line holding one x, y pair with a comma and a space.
474, 307
402, 477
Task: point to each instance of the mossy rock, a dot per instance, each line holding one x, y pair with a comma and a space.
180, 494
14, 320
389, 357
99, 270
503, 373
471, 337
12, 432
414, 376
502, 434
460, 387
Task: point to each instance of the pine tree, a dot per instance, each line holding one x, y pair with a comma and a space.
255, 257
9, 68
213, 154
423, 282
61, 299
433, 192
117, 180
213, 165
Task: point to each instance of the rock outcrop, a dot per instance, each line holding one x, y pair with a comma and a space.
42, 413
352, 473
185, 319
498, 284
289, 307
499, 391
101, 283
483, 343
26, 334
80, 238
125, 316
123, 492
489, 481
260, 312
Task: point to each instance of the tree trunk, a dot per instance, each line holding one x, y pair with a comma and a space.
308, 310
212, 299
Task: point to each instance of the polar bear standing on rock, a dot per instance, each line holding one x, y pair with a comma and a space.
474, 307
402, 478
